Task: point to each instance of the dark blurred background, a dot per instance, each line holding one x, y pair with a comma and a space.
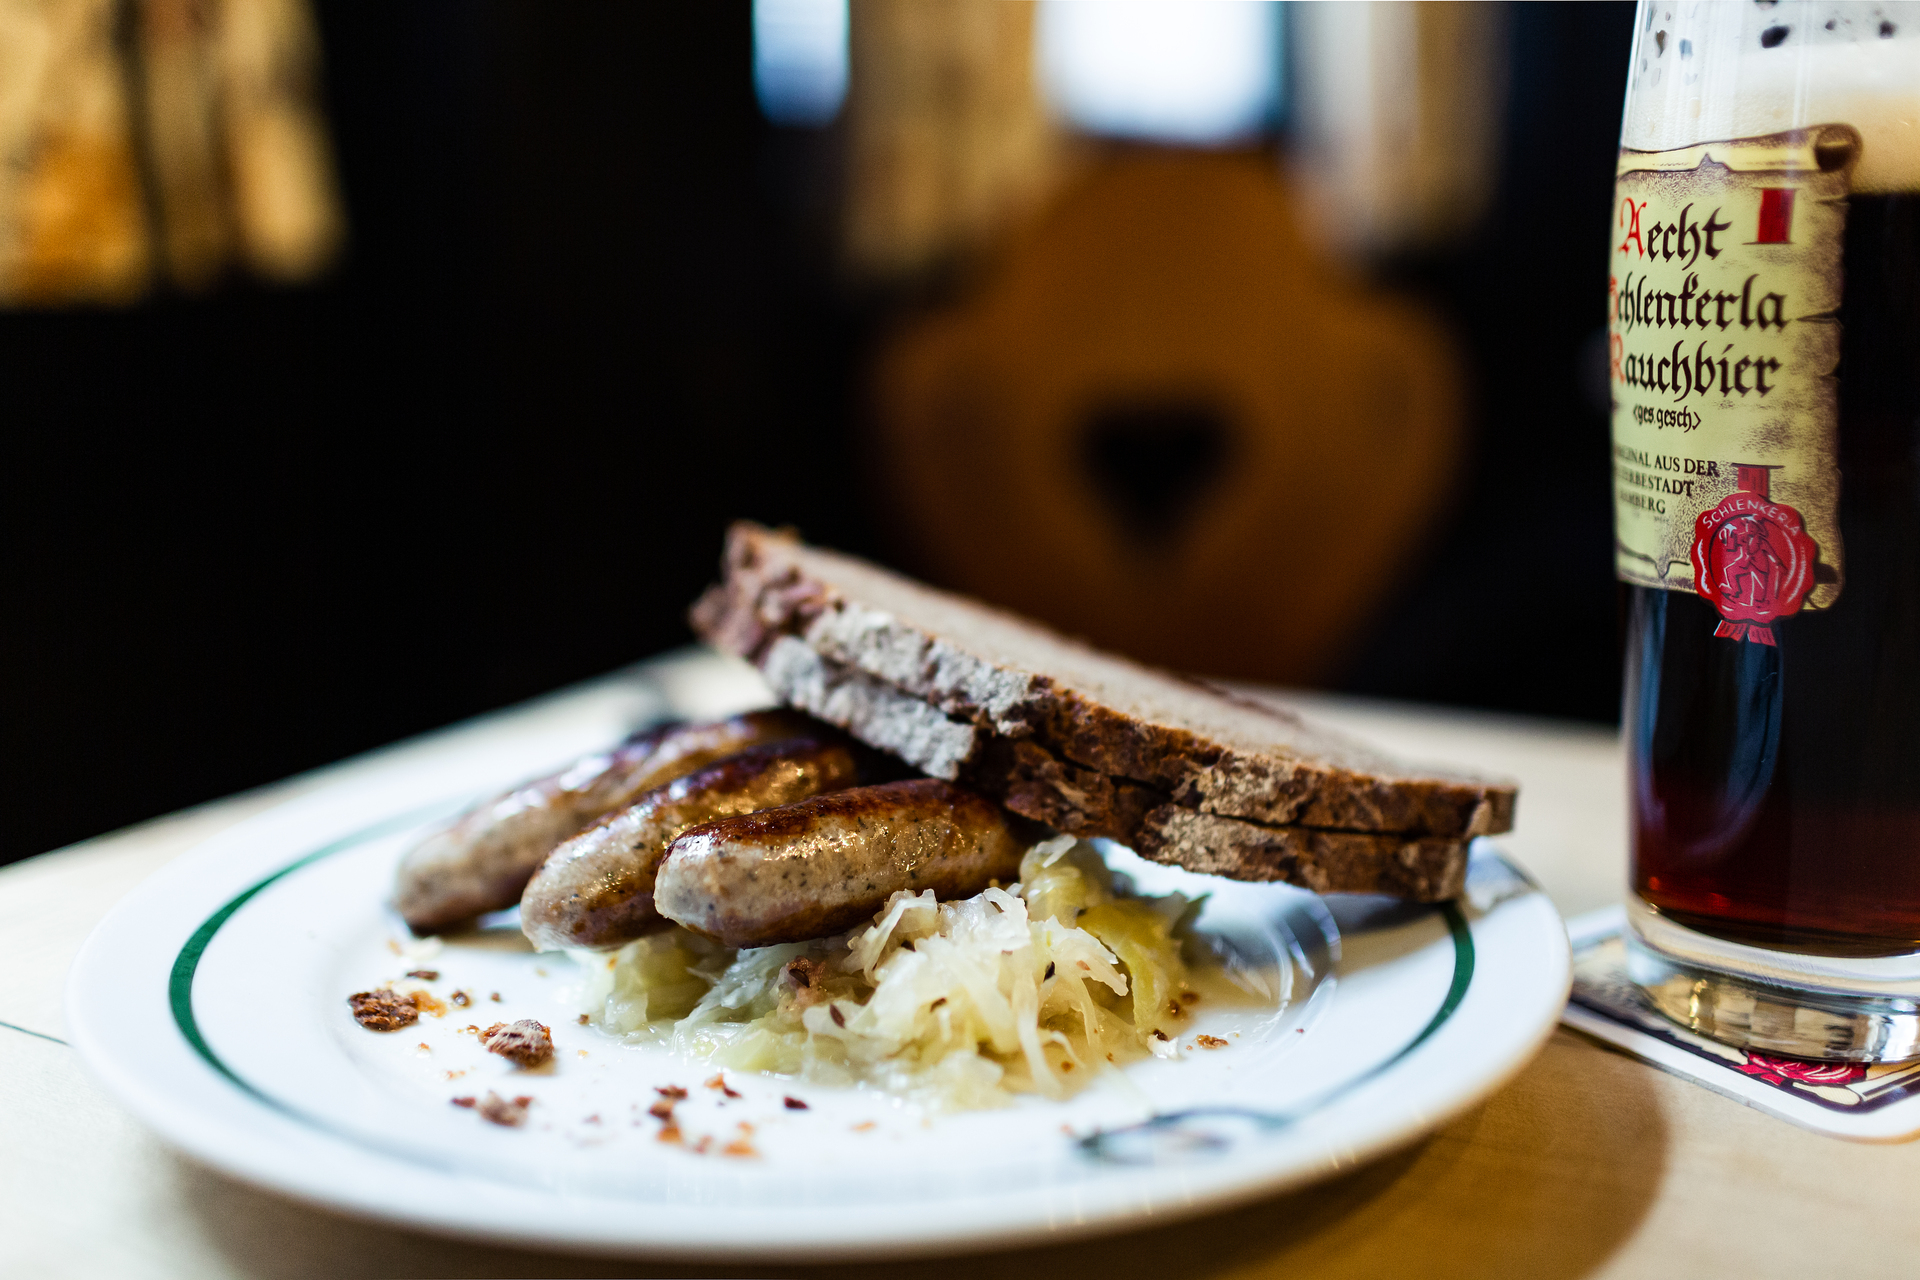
593, 304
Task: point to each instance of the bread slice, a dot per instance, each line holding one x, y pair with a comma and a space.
1035, 784
1416, 868
1203, 748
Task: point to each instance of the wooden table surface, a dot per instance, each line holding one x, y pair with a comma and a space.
1590, 1163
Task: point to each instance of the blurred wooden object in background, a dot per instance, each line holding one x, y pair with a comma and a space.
1397, 119
188, 141
72, 223
1166, 421
279, 161
179, 75
947, 138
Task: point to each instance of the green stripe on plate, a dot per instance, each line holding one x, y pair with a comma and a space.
187, 963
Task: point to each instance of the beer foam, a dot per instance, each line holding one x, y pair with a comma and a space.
1703, 72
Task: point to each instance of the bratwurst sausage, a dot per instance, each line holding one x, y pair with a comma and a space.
596, 890
823, 865
482, 860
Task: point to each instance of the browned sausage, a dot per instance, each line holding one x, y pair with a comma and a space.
823, 865
596, 890
482, 860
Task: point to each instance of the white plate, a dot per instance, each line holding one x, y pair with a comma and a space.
211, 1003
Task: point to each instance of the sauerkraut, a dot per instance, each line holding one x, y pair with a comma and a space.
1034, 988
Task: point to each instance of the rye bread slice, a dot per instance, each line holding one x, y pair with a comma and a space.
1204, 748
1085, 802
1416, 868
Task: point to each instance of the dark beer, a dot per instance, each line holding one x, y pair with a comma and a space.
1775, 788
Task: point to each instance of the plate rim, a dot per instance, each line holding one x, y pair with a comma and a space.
234, 1142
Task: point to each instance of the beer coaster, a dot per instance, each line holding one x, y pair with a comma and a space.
1878, 1103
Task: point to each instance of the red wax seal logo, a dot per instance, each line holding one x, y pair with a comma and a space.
1752, 559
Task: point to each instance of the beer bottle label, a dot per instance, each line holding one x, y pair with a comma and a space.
1722, 341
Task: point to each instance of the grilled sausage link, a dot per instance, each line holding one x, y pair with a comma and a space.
823, 865
483, 859
596, 890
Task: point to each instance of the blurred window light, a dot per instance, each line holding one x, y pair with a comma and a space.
1201, 72
800, 59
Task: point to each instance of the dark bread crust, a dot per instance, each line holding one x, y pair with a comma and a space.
1066, 797
1417, 868
1034, 783
1082, 802
776, 587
